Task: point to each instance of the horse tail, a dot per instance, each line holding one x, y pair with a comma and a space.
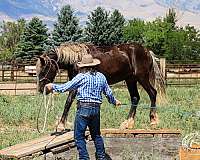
157, 79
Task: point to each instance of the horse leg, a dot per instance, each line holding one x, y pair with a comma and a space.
135, 97
68, 103
144, 81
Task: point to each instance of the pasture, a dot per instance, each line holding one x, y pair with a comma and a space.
18, 114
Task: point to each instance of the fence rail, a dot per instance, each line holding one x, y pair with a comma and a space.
16, 78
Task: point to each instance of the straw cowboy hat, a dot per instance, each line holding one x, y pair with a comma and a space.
88, 60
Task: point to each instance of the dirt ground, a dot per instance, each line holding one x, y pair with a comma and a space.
154, 148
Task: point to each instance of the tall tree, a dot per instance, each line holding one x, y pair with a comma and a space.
134, 30
33, 40
10, 33
171, 18
104, 29
155, 34
67, 27
96, 30
192, 43
116, 27
174, 44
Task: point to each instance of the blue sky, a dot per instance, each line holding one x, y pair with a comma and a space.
145, 9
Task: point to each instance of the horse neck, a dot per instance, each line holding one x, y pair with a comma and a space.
68, 55
53, 56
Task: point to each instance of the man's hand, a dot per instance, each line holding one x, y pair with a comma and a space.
118, 103
49, 87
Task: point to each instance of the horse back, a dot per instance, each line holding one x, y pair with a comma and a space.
122, 61
139, 58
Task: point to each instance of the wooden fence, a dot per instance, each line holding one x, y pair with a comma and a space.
181, 74
15, 79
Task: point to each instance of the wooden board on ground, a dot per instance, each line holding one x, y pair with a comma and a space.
37, 145
135, 132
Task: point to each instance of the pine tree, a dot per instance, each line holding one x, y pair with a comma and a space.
33, 40
67, 28
116, 27
97, 27
103, 29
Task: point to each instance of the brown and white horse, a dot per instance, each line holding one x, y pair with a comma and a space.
129, 62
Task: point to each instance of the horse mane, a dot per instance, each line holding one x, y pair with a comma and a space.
70, 53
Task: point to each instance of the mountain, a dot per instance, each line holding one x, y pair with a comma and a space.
188, 10
184, 5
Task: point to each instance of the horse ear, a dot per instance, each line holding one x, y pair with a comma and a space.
42, 60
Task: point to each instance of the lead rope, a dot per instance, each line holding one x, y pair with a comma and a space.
47, 103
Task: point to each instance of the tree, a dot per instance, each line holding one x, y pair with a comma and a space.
116, 28
165, 38
33, 40
10, 33
133, 31
103, 28
173, 46
96, 30
171, 18
192, 44
155, 35
67, 28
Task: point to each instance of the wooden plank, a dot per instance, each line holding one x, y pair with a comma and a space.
63, 148
138, 131
37, 145
27, 143
189, 154
195, 146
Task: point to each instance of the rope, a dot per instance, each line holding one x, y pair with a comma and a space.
47, 104
192, 138
184, 114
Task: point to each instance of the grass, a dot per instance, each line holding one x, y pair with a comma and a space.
18, 114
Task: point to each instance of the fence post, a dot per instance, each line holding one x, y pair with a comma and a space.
12, 75
2, 72
163, 67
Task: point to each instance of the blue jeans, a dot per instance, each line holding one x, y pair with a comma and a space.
88, 114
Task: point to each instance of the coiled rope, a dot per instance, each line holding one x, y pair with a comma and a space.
190, 139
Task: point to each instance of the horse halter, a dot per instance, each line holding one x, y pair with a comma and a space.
48, 61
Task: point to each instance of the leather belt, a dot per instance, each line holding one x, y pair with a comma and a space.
84, 104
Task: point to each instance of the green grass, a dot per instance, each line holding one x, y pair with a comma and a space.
18, 114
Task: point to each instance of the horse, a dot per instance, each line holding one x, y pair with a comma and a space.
131, 63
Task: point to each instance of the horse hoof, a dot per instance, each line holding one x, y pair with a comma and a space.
131, 123
124, 125
127, 124
60, 128
154, 120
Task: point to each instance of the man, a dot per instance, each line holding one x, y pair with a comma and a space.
90, 85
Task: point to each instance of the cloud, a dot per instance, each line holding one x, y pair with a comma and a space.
5, 17
145, 9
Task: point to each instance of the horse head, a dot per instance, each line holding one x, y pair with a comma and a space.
46, 70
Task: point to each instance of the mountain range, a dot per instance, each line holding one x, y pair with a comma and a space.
188, 11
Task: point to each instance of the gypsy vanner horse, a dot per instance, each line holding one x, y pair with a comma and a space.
129, 62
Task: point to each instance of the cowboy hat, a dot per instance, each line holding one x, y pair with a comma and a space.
88, 60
